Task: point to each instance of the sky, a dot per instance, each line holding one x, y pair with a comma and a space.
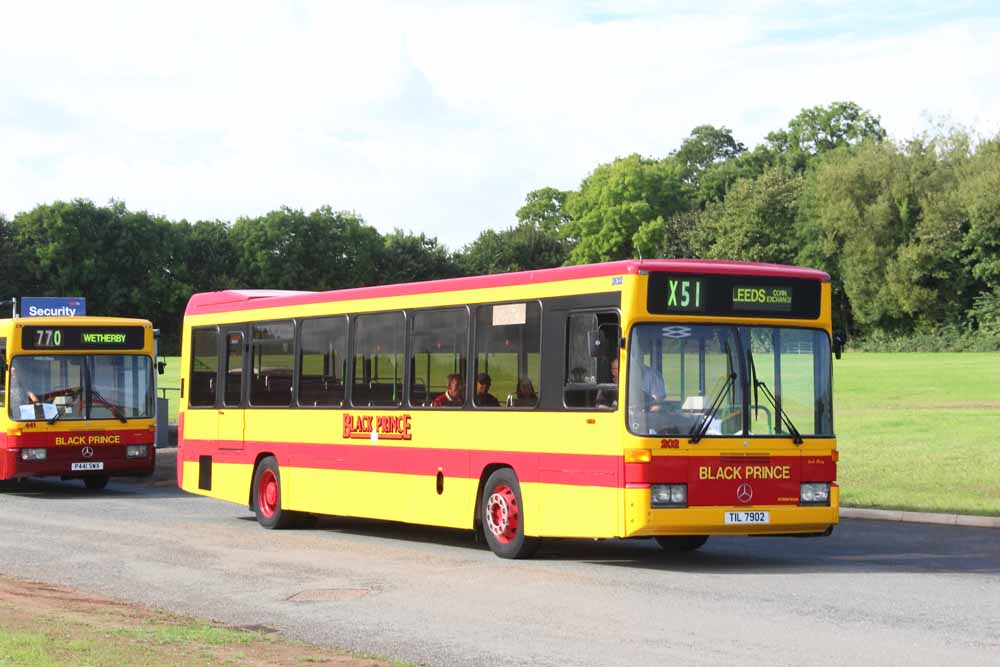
439, 117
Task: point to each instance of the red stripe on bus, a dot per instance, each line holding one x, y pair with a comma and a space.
570, 469
236, 300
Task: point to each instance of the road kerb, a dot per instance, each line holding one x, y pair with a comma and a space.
921, 517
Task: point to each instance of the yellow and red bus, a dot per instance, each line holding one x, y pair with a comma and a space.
77, 399
494, 403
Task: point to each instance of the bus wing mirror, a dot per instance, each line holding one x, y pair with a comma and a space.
838, 346
160, 366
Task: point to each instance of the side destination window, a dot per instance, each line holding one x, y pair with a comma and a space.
508, 341
322, 361
591, 379
204, 367
438, 343
233, 387
378, 360
273, 357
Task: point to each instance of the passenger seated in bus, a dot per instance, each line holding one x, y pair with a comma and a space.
454, 395
608, 398
483, 396
526, 395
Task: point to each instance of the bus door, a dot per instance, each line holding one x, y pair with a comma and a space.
231, 415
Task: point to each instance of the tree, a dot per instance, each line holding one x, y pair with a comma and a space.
287, 249
520, 248
407, 257
755, 223
616, 201
544, 210
821, 129
122, 262
9, 283
979, 197
210, 256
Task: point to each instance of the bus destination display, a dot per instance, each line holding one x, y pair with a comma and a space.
82, 338
677, 294
757, 298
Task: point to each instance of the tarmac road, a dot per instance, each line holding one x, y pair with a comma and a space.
874, 592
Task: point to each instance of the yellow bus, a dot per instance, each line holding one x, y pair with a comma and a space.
494, 403
77, 399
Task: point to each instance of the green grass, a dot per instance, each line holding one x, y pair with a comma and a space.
919, 431
915, 431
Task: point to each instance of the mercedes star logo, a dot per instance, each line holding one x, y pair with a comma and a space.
87, 452
744, 493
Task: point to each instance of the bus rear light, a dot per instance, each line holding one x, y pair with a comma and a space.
136, 451
638, 455
34, 454
814, 493
669, 495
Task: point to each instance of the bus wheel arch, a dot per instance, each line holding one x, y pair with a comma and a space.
501, 514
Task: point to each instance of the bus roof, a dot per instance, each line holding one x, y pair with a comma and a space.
234, 300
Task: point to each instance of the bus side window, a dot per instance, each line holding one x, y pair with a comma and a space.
323, 361
273, 361
438, 344
204, 367
591, 345
378, 360
508, 346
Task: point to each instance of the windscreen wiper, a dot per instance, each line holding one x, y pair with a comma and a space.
796, 438
699, 429
56, 418
115, 410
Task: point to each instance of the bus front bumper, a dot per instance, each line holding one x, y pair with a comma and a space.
72, 462
643, 521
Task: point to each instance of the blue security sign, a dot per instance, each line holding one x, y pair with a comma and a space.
52, 306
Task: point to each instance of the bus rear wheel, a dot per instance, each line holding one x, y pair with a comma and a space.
267, 497
502, 516
678, 543
96, 483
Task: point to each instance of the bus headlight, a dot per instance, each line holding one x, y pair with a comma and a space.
136, 451
669, 495
34, 454
814, 493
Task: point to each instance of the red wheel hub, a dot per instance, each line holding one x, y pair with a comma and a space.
267, 493
503, 516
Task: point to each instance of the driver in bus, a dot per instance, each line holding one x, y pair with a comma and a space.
19, 394
653, 388
454, 395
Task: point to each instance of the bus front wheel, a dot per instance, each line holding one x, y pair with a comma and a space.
677, 543
502, 516
267, 496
